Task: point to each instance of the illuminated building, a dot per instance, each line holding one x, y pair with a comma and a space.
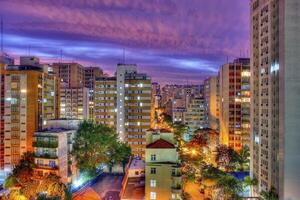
124, 102
29, 97
74, 103
211, 94
195, 115
90, 75
234, 90
163, 173
52, 150
74, 99
275, 96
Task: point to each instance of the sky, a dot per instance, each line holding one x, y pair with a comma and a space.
174, 41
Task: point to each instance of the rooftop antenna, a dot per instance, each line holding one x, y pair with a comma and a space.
1, 34
123, 55
61, 55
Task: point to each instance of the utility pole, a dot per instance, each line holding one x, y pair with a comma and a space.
1, 35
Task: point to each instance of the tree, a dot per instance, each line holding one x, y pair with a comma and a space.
250, 182
24, 170
229, 186
97, 144
92, 145
243, 159
270, 195
10, 182
227, 158
52, 186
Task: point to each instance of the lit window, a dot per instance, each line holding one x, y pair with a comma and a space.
152, 195
152, 183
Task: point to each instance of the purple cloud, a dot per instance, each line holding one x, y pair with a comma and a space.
184, 37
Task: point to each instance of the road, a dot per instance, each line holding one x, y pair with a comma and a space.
107, 187
193, 190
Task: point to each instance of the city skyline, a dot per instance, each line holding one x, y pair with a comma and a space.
97, 34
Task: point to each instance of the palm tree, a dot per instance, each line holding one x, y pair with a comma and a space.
269, 195
243, 159
230, 187
250, 182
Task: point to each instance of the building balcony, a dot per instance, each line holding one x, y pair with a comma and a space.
46, 155
176, 189
46, 167
45, 144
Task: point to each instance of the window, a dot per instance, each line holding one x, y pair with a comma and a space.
173, 196
153, 170
153, 157
152, 195
152, 183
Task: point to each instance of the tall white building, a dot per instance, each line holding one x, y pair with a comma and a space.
275, 102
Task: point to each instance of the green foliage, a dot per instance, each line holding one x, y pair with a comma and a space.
227, 158
250, 182
23, 171
230, 187
9, 182
211, 172
96, 144
270, 195
244, 159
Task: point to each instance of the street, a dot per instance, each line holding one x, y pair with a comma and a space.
193, 190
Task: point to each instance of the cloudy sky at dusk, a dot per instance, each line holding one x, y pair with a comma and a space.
172, 40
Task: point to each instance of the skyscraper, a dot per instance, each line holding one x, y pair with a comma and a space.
124, 102
275, 104
74, 95
28, 100
211, 94
234, 90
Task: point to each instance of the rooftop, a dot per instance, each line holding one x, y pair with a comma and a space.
137, 163
160, 144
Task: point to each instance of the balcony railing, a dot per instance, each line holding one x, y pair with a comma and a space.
46, 144
46, 155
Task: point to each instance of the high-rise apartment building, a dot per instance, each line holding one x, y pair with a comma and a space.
74, 95
90, 75
163, 170
72, 74
211, 94
53, 148
124, 102
234, 90
195, 115
28, 99
74, 103
275, 102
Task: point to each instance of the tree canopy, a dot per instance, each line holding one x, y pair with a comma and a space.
96, 144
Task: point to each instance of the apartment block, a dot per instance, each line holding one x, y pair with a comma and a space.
52, 150
124, 102
74, 103
234, 90
163, 173
275, 79
28, 100
90, 75
211, 94
72, 74
196, 114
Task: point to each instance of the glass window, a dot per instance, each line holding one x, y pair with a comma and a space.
152, 183
153, 170
153, 157
152, 195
